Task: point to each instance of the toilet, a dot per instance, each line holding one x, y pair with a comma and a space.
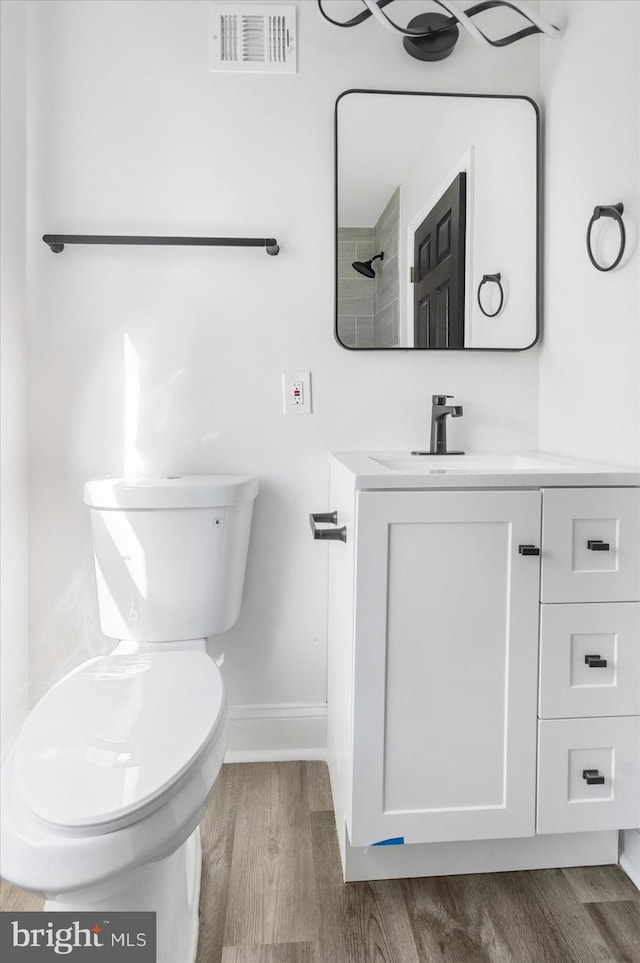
106, 784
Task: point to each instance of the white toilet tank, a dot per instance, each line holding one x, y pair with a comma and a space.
170, 553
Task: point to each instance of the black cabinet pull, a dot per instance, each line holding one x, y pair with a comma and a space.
327, 518
593, 777
528, 550
597, 545
595, 662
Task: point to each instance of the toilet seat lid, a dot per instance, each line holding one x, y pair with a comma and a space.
113, 737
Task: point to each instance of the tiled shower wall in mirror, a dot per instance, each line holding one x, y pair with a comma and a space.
368, 315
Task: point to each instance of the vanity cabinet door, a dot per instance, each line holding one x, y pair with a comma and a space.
445, 666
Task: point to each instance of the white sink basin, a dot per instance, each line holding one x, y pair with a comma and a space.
422, 464
388, 470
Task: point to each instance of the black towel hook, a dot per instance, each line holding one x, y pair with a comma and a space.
495, 278
607, 210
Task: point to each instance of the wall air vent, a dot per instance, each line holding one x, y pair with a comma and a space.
253, 38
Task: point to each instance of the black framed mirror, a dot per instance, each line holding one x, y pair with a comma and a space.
437, 229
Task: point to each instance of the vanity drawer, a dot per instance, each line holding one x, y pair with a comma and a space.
606, 749
589, 660
591, 545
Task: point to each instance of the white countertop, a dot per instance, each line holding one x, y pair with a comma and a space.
397, 469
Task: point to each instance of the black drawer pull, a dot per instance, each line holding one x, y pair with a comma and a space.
528, 550
595, 662
593, 777
327, 518
597, 545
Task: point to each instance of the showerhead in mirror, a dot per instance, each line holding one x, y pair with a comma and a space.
364, 267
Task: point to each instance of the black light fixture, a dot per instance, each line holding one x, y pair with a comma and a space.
364, 267
432, 36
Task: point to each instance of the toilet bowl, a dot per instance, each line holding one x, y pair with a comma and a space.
105, 787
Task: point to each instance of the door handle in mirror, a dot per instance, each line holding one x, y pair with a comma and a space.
597, 545
327, 518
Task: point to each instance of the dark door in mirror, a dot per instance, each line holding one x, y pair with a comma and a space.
439, 271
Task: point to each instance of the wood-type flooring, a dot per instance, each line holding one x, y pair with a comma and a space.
272, 892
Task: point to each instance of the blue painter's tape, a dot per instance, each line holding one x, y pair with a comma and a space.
393, 841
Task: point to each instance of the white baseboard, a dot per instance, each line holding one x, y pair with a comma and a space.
630, 854
276, 733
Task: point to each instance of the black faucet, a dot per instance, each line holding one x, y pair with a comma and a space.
439, 411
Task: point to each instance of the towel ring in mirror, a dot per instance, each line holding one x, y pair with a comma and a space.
495, 279
607, 210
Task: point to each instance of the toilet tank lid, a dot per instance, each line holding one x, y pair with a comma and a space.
170, 491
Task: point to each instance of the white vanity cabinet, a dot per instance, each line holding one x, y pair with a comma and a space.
461, 710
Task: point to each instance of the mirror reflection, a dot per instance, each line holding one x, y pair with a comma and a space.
436, 221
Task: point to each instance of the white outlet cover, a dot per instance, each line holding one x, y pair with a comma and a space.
289, 378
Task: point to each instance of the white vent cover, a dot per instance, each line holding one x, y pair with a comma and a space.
253, 38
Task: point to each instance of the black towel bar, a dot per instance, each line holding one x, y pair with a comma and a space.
57, 241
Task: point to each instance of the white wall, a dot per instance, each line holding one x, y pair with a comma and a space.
130, 133
13, 353
589, 361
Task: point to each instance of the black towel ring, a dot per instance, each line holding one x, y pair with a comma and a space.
607, 210
496, 280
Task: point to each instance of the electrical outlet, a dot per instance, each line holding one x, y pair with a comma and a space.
296, 388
